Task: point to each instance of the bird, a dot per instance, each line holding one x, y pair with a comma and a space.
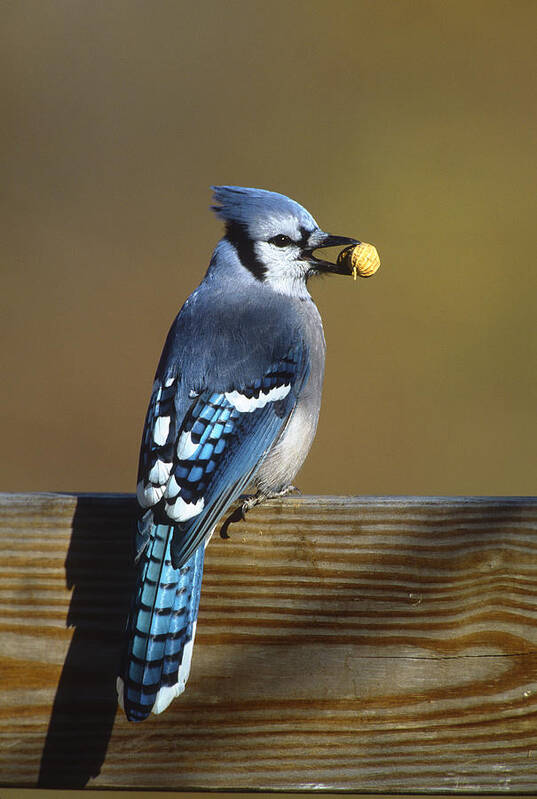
235, 404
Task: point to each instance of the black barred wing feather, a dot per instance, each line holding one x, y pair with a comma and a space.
158, 443
216, 450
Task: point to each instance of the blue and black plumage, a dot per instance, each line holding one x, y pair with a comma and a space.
235, 402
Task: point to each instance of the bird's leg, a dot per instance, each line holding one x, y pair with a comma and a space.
239, 514
257, 499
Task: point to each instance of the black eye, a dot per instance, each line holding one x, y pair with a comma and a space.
280, 241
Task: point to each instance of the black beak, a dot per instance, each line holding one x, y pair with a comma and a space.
318, 265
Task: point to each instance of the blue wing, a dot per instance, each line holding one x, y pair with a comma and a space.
192, 469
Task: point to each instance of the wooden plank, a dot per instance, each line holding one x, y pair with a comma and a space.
363, 644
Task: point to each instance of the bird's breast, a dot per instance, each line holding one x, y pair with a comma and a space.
290, 450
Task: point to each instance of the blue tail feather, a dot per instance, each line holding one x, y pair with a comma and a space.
161, 627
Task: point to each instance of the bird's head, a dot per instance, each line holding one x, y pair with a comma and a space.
275, 237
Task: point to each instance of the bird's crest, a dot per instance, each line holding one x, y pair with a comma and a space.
247, 206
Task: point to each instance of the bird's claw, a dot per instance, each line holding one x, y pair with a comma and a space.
239, 514
235, 516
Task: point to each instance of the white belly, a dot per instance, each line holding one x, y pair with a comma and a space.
288, 454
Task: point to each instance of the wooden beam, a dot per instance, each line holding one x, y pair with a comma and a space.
359, 644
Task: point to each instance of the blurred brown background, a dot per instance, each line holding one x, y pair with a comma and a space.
412, 125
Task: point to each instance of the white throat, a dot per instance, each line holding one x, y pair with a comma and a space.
285, 275
288, 283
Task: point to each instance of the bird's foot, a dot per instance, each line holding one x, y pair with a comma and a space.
239, 514
277, 494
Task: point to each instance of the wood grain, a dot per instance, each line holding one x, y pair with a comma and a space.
363, 644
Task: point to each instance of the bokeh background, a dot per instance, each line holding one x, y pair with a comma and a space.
410, 124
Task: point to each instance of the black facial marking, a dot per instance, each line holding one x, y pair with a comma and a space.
305, 234
237, 235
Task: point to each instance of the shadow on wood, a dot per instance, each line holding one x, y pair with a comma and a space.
98, 570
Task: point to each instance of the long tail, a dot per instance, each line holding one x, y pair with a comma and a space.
161, 628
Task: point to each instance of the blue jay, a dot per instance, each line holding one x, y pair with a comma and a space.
235, 402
